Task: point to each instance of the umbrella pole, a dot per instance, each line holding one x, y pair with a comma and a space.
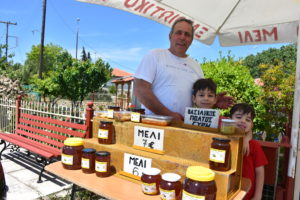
293, 183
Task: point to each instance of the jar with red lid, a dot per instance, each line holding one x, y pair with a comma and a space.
220, 155
88, 160
71, 153
102, 164
105, 132
199, 184
170, 187
150, 181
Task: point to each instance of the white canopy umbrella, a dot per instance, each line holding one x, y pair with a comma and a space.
235, 22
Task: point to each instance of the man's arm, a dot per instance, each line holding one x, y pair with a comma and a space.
143, 91
259, 182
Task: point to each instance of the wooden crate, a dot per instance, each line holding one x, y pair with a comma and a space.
182, 148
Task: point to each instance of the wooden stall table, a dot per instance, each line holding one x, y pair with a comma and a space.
113, 187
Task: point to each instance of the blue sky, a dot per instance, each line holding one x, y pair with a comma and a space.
118, 37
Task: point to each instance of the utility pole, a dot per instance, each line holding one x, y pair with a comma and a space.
41, 67
6, 48
77, 36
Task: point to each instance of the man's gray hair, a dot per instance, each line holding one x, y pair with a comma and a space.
182, 19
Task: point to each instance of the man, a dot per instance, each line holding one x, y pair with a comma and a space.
164, 79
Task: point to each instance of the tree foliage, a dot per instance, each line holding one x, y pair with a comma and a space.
285, 55
235, 79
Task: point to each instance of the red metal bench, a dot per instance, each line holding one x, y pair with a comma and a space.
44, 136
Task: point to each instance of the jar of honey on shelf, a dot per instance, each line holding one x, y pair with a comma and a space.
199, 184
170, 187
71, 153
111, 110
88, 160
220, 155
102, 164
150, 181
105, 132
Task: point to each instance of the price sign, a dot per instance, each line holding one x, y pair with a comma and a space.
135, 164
150, 139
202, 117
135, 117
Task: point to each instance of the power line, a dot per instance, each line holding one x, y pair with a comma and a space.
6, 46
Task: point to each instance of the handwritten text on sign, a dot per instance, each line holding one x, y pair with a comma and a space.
202, 117
135, 164
151, 138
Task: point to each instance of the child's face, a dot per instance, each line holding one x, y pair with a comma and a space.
243, 121
205, 99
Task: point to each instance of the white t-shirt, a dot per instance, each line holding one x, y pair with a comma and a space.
172, 78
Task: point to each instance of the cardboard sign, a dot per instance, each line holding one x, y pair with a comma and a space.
149, 139
202, 117
135, 164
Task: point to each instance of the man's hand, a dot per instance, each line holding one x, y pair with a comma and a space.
224, 101
176, 116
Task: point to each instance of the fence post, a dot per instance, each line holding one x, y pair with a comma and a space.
89, 117
18, 110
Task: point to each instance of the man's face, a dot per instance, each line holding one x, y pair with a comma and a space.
181, 38
243, 121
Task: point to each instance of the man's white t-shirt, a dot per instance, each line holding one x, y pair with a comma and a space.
172, 78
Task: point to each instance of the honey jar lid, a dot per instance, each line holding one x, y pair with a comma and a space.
102, 153
151, 171
199, 173
88, 150
221, 139
171, 177
75, 141
106, 122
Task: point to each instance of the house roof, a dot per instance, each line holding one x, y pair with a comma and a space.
120, 73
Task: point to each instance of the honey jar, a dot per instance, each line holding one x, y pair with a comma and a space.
71, 153
227, 126
170, 187
150, 181
102, 164
105, 132
199, 184
88, 160
220, 154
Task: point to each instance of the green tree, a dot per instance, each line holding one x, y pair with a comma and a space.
277, 98
285, 55
112, 89
78, 79
235, 79
31, 66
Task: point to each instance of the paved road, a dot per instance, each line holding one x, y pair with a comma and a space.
21, 174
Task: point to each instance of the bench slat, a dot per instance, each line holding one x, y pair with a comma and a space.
55, 121
53, 128
29, 145
43, 132
40, 138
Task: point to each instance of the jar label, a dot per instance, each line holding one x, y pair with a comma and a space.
103, 133
167, 194
189, 196
67, 159
110, 113
135, 117
217, 155
85, 163
101, 166
149, 188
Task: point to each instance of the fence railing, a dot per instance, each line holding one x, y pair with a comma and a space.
62, 112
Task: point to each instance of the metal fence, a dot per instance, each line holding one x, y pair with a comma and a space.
58, 111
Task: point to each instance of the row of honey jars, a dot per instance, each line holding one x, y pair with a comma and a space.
98, 162
199, 184
167, 185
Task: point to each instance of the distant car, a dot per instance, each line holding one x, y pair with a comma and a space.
3, 187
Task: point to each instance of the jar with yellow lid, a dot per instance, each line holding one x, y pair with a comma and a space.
71, 153
199, 184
